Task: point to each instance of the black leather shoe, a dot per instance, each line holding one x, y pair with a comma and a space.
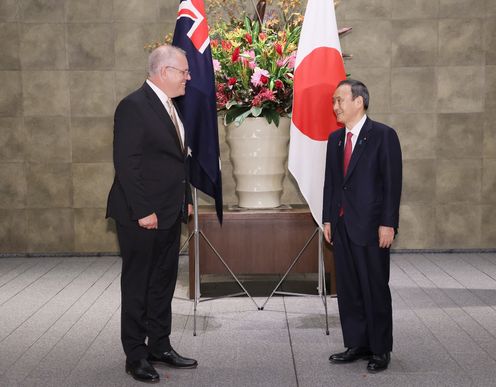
142, 371
173, 359
378, 363
350, 355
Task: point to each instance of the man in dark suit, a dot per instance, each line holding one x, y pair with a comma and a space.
362, 193
148, 199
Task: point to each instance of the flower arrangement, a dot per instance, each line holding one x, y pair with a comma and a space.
254, 62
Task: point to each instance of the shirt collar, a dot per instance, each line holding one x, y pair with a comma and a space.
358, 127
160, 94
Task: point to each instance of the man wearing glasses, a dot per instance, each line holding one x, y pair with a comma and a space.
149, 198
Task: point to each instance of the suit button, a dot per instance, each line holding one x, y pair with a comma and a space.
345, 188
184, 181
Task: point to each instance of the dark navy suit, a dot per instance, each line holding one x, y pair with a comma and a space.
150, 177
370, 197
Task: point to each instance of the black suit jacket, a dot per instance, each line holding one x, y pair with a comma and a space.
150, 167
371, 190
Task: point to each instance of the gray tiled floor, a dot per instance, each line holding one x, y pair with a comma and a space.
59, 325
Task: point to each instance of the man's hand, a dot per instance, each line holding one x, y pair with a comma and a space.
149, 222
190, 210
386, 236
327, 232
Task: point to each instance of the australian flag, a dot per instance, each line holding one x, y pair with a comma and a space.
198, 105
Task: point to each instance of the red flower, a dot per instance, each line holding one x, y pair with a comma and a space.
214, 43
226, 46
235, 55
248, 38
264, 79
232, 81
278, 47
278, 84
262, 36
264, 95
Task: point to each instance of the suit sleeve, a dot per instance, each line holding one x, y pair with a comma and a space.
128, 154
327, 197
391, 168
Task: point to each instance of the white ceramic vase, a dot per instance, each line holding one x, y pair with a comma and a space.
258, 153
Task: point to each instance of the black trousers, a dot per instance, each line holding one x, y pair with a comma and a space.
364, 298
149, 273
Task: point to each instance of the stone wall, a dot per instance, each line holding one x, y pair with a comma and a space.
64, 64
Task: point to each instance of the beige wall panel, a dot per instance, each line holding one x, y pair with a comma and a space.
367, 9
92, 93
415, 9
88, 10
414, 43
49, 185
461, 8
49, 139
9, 46
42, 10
13, 140
419, 181
90, 46
9, 10
11, 95
460, 42
42, 46
413, 89
51, 229
458, 180
45, 93
458, 226
378, 81
13, 231
489, 134
488, 237
92, 139
92, 184
417, 227
92, 232
128, 81
459, 135
417, 133
136, 11
489, 182
370, 44
13, 187
459, 89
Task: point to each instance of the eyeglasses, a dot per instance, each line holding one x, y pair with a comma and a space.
186, 73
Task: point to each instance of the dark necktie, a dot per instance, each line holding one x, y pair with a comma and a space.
174, 121
346, 160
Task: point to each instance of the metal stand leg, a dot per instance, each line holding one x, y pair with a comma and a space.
321, 275
197, 233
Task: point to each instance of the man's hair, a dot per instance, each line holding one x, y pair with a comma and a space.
358, 89
162, 56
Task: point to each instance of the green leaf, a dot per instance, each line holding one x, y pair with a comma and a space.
233, 113
247, 24
239, 119
256, 111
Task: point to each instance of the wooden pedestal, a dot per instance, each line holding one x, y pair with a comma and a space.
258, 242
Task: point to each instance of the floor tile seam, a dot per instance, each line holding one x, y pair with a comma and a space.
443, 309
295, 370
90, 285
461, 307
76, 275
28, 266
459, 257
463, 258
94, 340
29, 284
69, 328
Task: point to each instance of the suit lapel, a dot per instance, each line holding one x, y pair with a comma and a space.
164, 116
359, 147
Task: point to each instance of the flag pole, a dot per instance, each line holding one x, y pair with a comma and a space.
197, 258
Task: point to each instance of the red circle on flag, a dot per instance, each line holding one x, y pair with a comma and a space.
315, 81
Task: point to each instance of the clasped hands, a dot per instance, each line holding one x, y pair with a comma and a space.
150, 222
386, 235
